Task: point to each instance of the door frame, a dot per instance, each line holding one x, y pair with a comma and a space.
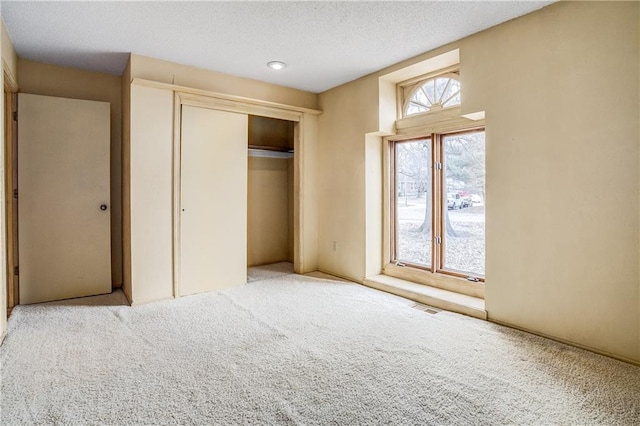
10, 139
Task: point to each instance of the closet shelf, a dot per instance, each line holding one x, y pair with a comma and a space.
269, 152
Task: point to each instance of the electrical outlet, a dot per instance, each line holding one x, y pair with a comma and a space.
335, 246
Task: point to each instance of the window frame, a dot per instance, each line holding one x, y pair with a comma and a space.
438, 203
410, 91
443, 269
407, 88
394, 205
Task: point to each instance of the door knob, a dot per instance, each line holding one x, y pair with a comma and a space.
103, 207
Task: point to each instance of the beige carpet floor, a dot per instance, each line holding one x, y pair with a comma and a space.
287, 349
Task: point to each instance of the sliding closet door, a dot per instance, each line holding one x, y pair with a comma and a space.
213, 225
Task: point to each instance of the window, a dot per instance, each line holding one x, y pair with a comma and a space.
414, 194
438, 206
432, 94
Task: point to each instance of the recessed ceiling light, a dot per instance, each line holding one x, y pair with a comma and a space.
276, 65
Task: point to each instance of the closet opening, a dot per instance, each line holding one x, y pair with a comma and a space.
270, 195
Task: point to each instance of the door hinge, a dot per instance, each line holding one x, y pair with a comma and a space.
15, 194
16, 270
438, 240
438, 165
15, 115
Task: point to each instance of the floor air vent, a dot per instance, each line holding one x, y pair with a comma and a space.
426, 308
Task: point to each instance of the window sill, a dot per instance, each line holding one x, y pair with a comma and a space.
436, 297
441, 281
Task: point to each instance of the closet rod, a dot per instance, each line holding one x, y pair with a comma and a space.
269, 153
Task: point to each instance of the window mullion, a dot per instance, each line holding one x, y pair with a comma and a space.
437, 203
393, 208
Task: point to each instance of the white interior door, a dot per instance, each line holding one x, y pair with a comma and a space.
64, 200
213, 222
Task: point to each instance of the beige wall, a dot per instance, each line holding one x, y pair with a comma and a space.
52, 80
268, 211
560, 89
9, 56
562, 180
349, 113
183, 75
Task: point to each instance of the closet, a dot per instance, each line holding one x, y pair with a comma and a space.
270, 191
212, 185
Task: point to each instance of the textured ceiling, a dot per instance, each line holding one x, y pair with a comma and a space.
324, 44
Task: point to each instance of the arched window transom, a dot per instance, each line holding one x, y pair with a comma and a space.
433, 94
